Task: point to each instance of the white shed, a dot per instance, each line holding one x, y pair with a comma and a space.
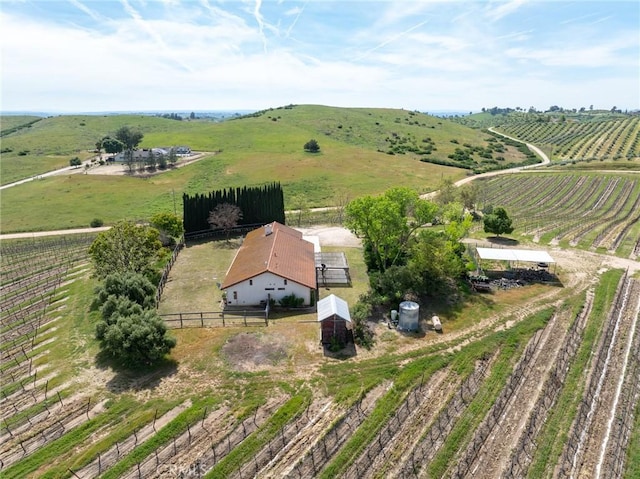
335, 320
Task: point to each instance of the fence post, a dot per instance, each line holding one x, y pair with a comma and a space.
201, 320
181, 321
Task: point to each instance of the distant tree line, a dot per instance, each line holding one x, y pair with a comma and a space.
497, 111
8, 131
172, 116
260, 204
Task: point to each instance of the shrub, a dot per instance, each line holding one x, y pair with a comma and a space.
360, 312
291, 301
335, 345
96, 223
312, 146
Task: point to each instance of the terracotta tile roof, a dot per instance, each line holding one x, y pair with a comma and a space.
283, 253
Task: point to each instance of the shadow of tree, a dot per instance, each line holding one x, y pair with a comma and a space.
501, 240
348, 352
138, 378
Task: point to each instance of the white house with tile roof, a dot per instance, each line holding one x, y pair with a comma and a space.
274, 261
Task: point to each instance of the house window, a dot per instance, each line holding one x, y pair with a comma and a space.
285, 282
269, 289
281, 289
250, 282
235, 295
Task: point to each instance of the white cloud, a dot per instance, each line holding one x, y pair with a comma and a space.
609, 53
211, 55
503, 9
83, 8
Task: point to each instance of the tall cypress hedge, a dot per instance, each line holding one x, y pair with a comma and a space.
259, 205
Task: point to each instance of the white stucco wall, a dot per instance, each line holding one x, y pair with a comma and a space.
247, 294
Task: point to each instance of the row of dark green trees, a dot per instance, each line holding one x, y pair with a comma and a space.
259, 205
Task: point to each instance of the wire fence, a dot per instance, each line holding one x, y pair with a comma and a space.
522, 454
575, 441
492, 419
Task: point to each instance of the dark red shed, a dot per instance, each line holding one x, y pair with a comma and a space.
335, 320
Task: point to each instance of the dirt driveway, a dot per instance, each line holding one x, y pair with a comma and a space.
332, 235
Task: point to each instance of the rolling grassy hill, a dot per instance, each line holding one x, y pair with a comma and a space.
11, 123
363, 151
50, 143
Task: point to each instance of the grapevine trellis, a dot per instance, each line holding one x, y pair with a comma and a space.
582, 140
584, 210
33, 275
493, 416
575, 444
324, 449
434, 438
621, 432
522, 453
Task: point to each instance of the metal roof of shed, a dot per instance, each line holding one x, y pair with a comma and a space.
525, 255
331, 305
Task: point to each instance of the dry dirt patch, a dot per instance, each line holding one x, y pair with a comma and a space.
254, 351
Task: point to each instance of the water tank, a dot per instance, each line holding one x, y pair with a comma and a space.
409, 316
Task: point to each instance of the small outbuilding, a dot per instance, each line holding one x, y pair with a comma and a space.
335, 321
516, 256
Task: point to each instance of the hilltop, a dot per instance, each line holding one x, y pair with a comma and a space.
363, 151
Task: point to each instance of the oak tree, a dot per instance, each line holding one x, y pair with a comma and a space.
498, 222
126, 247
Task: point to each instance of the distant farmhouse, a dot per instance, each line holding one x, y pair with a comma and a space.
274, 261
141, 155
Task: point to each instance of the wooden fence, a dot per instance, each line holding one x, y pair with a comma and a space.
167, 270
218, 233
213, 319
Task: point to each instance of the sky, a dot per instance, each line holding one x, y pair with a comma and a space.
202, 55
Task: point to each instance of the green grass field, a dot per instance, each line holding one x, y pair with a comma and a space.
252, 151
